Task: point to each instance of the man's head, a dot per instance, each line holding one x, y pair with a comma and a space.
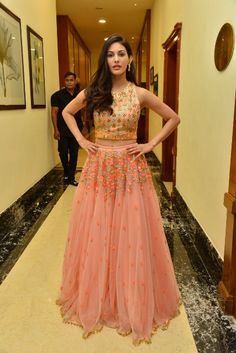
70, 80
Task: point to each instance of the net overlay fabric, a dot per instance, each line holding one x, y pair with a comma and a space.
117, 267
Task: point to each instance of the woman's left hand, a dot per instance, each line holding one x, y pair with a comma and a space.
140, 149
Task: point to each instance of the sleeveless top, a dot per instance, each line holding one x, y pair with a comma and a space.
123, 123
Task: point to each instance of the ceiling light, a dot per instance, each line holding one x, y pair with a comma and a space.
102, 20
106, 38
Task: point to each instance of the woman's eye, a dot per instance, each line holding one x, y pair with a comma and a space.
110, 55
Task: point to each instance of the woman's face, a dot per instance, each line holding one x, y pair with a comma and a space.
117, 59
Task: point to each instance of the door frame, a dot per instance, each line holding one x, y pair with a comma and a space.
143, 128
169, 146
227, 286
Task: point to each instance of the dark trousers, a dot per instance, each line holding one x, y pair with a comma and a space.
68, 151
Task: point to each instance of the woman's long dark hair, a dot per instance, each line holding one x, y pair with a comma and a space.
98, 93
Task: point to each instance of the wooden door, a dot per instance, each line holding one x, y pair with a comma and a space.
171, 94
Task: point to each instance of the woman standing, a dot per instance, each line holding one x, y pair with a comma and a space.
117, 267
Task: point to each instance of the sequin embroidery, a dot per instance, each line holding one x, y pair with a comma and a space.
114, 170
123, 123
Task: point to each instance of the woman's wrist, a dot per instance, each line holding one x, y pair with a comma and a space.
152, 143
80, 138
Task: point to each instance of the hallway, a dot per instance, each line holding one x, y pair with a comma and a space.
35, 205
33, 321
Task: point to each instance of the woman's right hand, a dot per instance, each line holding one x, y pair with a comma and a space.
87, 145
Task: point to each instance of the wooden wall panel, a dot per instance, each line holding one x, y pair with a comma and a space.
73, 54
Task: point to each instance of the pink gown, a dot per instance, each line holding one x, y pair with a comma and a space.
117, 267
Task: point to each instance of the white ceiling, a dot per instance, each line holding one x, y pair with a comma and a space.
122, 17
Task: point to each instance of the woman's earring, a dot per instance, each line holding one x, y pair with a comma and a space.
128, 66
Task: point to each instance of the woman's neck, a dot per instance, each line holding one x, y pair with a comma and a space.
119, 83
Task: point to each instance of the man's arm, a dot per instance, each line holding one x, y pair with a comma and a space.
54, 112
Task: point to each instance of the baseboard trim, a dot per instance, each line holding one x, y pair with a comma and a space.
209, 255
20, 222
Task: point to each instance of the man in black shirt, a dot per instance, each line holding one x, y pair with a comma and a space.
67, 144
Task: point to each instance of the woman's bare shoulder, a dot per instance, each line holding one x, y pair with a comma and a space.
82, 94
81, 97
142, 93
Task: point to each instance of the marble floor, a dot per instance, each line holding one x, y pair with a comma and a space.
30, 321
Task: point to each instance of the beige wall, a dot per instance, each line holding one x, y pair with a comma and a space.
27, 151
206, 104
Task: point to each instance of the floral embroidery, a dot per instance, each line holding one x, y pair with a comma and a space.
123, 123
114, 170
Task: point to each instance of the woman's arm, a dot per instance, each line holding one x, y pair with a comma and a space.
68, 114
149, 100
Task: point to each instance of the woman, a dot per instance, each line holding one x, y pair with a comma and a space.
117, 267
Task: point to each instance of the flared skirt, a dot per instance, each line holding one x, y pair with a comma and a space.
117, 267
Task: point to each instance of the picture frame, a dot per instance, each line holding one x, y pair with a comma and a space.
151, 75
155, 84
36, 69
12, 82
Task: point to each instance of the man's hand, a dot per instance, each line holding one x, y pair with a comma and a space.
56, 135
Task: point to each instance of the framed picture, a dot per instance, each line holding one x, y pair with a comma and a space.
36, 69
155, 85
151, 75
12, 84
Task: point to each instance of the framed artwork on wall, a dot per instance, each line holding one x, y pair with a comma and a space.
36, 69
155, 85
12, 84
151, 75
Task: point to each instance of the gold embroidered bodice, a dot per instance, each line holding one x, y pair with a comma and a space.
123, 123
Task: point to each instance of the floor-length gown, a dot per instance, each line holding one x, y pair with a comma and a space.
117, 267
